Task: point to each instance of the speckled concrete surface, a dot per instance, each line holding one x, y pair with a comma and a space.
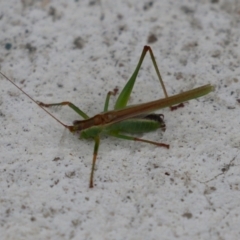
79, 50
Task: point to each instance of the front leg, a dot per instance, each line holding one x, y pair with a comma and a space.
71, 105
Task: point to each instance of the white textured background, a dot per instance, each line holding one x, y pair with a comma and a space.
190, 191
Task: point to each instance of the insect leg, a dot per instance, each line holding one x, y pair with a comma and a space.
138, 139
95, 152
110, 93
160, 79
71, 105
125, 94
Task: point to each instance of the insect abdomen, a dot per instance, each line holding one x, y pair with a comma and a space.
136, 126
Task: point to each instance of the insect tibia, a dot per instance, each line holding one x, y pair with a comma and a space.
41, 104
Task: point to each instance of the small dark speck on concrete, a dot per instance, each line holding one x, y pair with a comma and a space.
187, 10
93, 2
120, 16
147, 5
152, 38
178, 75
60, 85
8, 46
78, 43
1, 114
209, 190
30, 47
155, 166
70, 174
52, 11
187, 215
102, 17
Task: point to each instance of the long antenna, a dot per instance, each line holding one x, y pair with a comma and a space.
66, 126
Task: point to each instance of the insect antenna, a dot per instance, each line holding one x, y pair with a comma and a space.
33, 100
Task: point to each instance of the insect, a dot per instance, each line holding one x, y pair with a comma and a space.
124, 119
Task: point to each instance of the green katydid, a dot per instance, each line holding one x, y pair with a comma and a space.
124, 119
